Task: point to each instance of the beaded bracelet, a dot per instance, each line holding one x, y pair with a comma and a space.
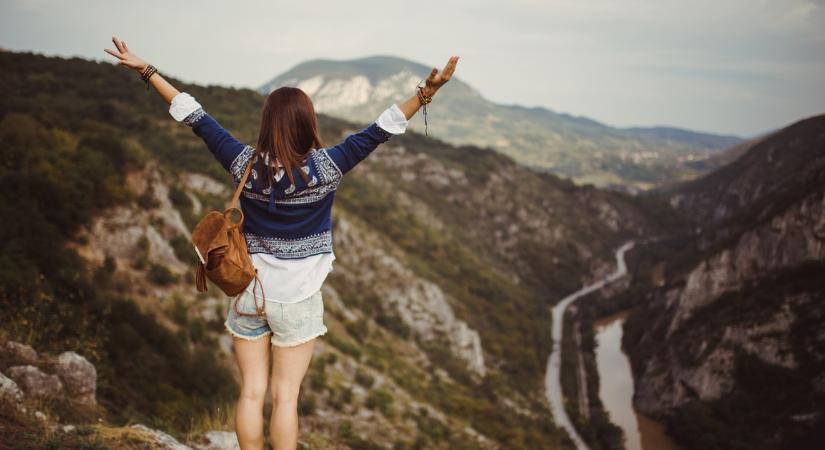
424, 100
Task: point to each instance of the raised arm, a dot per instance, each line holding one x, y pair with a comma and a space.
132, 61
433, 83
184, 108
393, 121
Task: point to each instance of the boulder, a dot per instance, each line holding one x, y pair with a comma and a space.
19, 353
9, 390
219, 440
78, 375
160, 439
36, 383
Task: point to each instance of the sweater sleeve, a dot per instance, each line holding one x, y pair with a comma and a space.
184, 108
356, 147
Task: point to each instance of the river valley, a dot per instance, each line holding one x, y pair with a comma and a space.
616, 378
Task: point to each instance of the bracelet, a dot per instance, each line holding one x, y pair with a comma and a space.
424, 100
147, 73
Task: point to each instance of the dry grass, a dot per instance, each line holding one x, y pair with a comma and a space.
222, 418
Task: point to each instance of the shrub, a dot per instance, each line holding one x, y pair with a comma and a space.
183, 250
161, 274
363, 378
381, 400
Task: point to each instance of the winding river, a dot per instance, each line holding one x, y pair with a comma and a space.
552, 381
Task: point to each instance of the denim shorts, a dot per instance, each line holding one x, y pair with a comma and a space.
289, 323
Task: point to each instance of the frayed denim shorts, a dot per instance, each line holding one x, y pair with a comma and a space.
289, 323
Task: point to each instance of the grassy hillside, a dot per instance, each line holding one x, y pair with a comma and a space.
100, 186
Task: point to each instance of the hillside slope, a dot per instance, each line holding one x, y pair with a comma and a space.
448, 260
730, 347
576, 147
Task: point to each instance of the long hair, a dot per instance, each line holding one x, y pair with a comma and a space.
289, 130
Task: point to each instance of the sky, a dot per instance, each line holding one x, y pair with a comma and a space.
739, 67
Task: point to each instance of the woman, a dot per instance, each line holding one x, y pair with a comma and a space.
287, 205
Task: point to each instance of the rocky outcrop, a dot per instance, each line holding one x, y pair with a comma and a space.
68, 375
78, 375
423, 307
787, 240
159, 439
36, 383
419, 303
9, 390
121, 231
218, 440
746, 300
18, 353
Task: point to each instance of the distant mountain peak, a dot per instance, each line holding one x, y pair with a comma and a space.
574, 146
375, 68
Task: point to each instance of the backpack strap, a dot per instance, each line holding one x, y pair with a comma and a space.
237, 195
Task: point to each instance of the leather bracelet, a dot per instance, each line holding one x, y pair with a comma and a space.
424, 99
147, 73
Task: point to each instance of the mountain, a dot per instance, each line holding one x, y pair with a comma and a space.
448, 260
728, 344
575, 147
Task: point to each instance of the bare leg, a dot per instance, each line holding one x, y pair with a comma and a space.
253, 360
289, 365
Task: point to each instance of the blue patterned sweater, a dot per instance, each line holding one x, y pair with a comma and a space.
288, 221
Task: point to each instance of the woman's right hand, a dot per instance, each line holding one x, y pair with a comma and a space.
126, 57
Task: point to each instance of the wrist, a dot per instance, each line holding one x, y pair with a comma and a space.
424, 95
429, 91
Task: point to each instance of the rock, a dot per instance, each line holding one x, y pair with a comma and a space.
419, 304
9, 390
219, 440
160, 439
78, 375
36, 383
40, 416
20, 353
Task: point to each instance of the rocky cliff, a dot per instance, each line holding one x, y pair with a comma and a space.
736, 336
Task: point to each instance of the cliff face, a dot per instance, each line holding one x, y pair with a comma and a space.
744, 307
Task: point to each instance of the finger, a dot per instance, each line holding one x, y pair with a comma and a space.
117, 44
124, 45
433, 73
113, 53
450, 67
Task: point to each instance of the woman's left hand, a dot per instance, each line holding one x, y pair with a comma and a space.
126, 57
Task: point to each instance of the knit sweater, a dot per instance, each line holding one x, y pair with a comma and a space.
289, 221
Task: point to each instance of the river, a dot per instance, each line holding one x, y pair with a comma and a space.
616, 389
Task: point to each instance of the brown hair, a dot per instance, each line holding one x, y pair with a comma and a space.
289, 130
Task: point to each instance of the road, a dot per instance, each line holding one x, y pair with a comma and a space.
552, 381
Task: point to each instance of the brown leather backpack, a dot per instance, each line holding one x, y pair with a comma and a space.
222, 252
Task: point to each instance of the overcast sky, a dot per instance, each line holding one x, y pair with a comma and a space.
727, 66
